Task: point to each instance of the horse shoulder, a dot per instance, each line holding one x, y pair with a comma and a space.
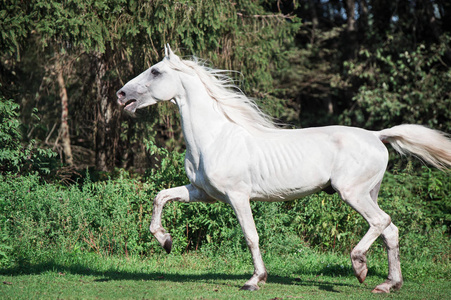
222, 165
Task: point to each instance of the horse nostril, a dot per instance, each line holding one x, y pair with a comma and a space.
121, 94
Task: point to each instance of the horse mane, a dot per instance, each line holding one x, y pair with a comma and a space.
235, 105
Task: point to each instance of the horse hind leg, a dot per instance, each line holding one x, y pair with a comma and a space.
390, 237
394, 280
378, 221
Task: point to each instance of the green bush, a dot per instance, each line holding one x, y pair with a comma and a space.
112, 217
11, 155
409, 87
105, 217
14, 157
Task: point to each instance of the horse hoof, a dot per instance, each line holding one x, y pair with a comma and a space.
381, 289
359, 265
248, 287
361, 277
384, 288
168, 244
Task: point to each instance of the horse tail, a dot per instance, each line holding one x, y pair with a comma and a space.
430, 145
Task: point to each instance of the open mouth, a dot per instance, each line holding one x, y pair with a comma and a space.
130, 105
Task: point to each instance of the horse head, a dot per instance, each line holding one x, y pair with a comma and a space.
158, 83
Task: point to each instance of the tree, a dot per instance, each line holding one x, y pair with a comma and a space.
99, 45
64, 131
350, 62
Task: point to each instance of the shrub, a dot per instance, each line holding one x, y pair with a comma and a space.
112, 217
410, 87
14, 157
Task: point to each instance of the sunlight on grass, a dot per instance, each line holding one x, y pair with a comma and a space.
306, 275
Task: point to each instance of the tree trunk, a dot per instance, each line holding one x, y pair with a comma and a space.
363, 26
350, 13
315, 21
64, 130
107, 117
351, 43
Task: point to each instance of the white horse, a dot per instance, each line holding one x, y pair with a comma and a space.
235, 154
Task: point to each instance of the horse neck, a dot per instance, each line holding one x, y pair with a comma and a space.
201, 120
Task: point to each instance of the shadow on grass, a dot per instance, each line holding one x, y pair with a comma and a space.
320, 280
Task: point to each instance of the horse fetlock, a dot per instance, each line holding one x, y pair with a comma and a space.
252, 284
396, 286
262, 277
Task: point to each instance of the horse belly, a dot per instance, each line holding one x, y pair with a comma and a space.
288, 170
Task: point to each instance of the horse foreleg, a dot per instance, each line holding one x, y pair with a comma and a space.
187, 193
244, 214
394, 280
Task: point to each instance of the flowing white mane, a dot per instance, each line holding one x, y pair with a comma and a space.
235, 105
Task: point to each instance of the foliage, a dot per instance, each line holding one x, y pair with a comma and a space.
69, 24
94, 218
393, 67
102, 44
14, 157
112, 217
9, 135
383, 70
308, 83
407, 87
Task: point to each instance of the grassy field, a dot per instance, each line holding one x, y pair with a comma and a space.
196, 276
90, 241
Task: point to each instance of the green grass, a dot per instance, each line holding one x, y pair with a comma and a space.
306, 275
91, 240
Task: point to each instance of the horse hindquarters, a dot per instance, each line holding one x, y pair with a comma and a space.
357, 175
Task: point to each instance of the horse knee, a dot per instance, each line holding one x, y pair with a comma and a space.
385, 221
162, 196
380, 223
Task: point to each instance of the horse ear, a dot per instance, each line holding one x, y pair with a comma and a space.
166, 54
169, 54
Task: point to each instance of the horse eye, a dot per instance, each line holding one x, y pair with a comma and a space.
155, 72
